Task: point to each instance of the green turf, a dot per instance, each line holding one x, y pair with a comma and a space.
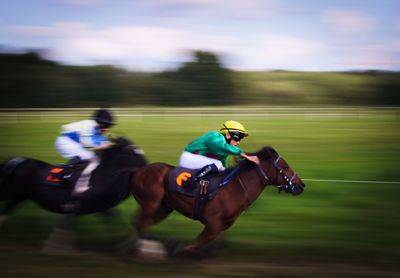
353, 222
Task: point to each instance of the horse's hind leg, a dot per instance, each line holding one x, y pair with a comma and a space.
62, 237
150, 214
9, 208
149, 192
147, 215
163, 212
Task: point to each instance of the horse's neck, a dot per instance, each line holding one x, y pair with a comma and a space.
117, 162
107, 165
253, 184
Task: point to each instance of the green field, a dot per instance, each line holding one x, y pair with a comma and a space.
351, 224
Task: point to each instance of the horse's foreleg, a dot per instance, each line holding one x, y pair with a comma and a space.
209, 233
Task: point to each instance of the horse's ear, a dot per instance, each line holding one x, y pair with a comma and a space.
267, 153
121, 141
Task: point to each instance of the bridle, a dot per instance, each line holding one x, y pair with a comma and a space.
289, 186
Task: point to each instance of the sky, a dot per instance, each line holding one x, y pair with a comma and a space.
155, 35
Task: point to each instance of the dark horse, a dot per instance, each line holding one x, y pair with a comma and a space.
149, 187
25, 179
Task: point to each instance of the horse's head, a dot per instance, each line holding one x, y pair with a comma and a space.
124, 153
279, 171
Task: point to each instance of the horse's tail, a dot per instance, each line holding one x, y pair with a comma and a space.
1, 177
7, 173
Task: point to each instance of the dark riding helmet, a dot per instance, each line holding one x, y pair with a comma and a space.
104, 117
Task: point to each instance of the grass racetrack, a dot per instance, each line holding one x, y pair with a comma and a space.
345, 224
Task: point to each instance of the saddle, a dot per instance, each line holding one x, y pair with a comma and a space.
207, 188
64, 175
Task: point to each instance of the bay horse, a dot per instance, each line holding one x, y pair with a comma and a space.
150, 189
25, 179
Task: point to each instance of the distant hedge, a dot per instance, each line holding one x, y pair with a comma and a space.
27, 80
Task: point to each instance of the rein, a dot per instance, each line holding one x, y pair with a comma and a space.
246, 192
263, 174
260, 170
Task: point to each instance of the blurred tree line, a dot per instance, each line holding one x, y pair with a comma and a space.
28, 80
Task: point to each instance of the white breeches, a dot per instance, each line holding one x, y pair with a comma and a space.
68, 148
195, 161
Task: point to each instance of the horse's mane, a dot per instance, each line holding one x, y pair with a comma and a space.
122, 152
118, 144
120, 156
122, 141
265, 154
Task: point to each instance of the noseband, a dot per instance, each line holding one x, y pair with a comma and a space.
289, 180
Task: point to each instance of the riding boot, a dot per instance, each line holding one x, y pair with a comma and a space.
211, 168
74, 161
82, 184
93, 163
71, 166
191, 183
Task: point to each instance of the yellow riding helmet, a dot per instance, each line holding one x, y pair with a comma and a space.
235, 127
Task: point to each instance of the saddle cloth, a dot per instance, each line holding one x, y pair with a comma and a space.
62, 175
180, 176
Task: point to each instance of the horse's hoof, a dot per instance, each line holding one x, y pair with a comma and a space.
110, 213
60, 241
150, 249
147, 236
3, 218
173, 247
192, 253
59, 249
126, 247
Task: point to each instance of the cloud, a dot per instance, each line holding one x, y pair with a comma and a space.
157, 48
78, 42
349, 21
120, 42
378, 55
80, 2
283, 50
56, 30
233, 8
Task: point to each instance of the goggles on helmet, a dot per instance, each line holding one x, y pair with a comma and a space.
237, 136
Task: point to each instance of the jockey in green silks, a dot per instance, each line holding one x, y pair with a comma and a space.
210, 151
